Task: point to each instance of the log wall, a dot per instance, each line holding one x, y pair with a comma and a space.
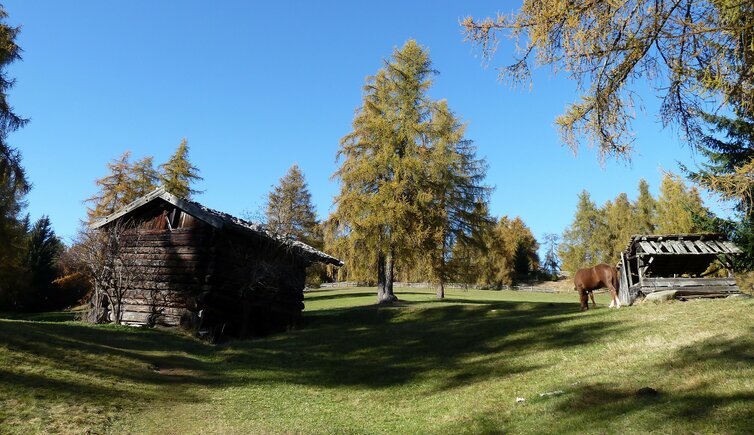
208, 279
264, 278
172, 253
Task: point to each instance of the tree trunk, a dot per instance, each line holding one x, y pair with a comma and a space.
117, 311
441, 290
380, 277
385, 293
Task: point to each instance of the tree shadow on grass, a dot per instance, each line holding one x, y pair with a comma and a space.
690, 406
347, 295
368, 347
378, 347
88, 362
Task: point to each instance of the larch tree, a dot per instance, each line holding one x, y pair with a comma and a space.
114, 189
508, 253
177, 175
677, 206
143, 179
645, 210
290, 211
691, 52
619, 219
450, 193
381, 166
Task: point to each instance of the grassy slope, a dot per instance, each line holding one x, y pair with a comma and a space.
424, 366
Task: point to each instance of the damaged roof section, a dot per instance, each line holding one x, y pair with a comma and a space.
219, 220
674, 254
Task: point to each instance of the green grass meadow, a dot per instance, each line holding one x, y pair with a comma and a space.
422, 366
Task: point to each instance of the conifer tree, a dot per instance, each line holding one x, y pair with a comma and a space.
578, 247
551, 264
11, 171
178, 174
677, 206
42, 261
114, 188
728, 172
688, 50
13, 181
645, 210
290, 211
143, 179
508, 253
449, 192
13, 235
619, 219
381, 164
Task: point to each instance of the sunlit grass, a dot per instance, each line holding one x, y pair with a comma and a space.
423, 366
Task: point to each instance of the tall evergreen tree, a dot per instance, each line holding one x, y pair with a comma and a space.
290, 211
13, 182
13, 235
449, 192
619, 219
11, 171
143, 179
645, 210
42, 261
729, 149
677, 206
578, 248
551, 264
178, 174
381, 164
114, 188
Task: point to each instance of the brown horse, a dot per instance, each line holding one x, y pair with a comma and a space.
593, 278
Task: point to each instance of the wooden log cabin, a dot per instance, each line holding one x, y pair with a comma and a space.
209, 271
680, 262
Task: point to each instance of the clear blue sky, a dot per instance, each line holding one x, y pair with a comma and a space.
258, 86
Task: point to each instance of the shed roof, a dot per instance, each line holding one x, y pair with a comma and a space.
672, 254
707, 244
218, 220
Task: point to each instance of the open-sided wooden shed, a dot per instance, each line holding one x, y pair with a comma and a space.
206, 269
653, 263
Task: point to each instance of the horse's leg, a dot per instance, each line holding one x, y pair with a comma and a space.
615, 302
583, 298
591, 295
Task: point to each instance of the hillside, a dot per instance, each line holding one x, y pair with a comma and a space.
424, 366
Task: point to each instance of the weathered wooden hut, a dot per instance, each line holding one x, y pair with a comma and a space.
679, 262
206, 270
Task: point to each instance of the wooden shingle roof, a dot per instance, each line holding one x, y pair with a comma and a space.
708, 244
219, 220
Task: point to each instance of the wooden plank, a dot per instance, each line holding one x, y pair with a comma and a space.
691, 247
732, 247
712, 246
624, 293
676, 246
647, 247
133, 308
703, 247
694, 290
688, 282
